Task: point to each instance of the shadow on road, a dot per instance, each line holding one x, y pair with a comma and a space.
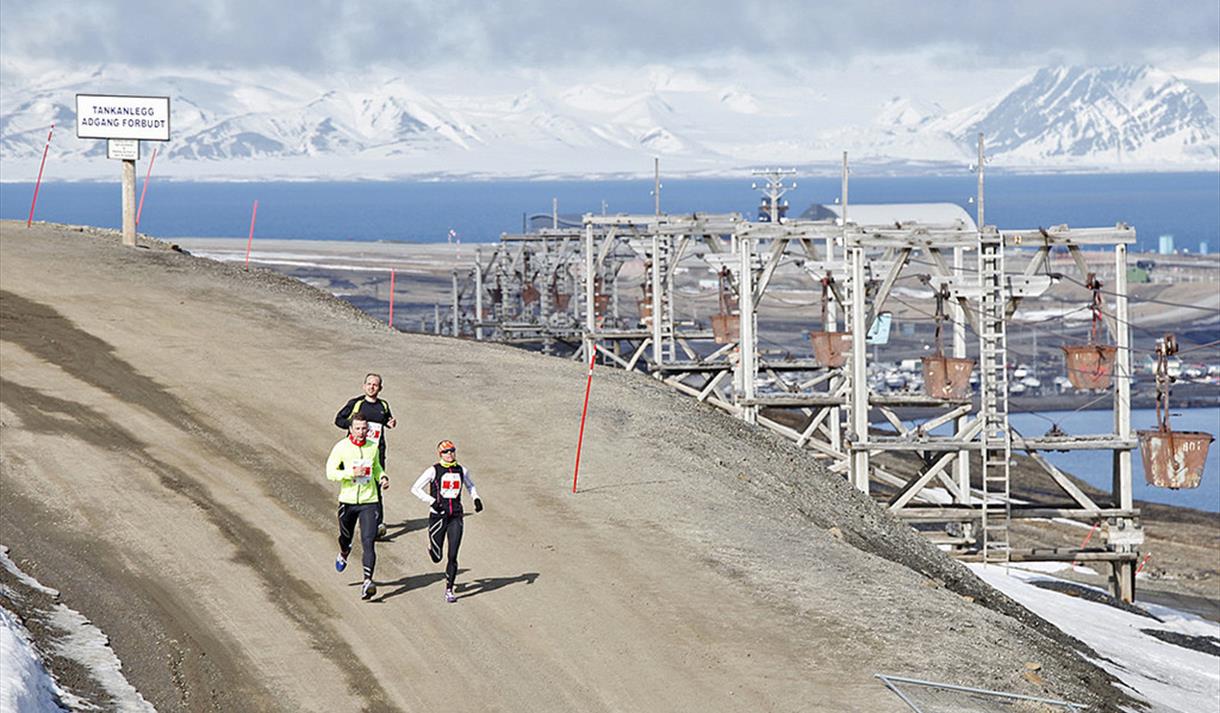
396, 529
490, 584
406, 584
463, 589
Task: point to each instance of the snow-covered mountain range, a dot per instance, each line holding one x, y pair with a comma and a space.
281, 124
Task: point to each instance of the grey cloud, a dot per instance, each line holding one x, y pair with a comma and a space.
317, 35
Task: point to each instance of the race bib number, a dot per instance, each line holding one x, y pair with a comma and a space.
451, 485
362, 471
374, 435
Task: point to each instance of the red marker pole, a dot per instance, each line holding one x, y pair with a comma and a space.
144, 190
250, 241
1144, 562
584, 412
1088, 537
391, 298
45, 149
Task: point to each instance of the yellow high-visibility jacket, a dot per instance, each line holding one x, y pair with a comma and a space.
357, 469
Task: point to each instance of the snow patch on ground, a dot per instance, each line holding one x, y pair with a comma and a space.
25, 678
22, 577
1174, 679
24, 684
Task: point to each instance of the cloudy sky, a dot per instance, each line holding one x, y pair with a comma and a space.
948, 52
317, 35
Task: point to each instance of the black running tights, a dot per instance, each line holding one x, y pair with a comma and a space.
366, 515
440, 527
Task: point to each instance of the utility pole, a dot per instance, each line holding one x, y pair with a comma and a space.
456, 326
478, 294
981, 160
775, 188
656, 181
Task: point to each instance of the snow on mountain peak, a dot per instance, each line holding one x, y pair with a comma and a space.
740, 101
1123, 114
242, 122
906, 113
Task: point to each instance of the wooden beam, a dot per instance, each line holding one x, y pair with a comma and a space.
912, 488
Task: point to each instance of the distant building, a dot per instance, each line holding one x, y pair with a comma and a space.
1203, 247
1166, 245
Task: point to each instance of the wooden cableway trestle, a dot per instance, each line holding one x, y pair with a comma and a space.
645, 290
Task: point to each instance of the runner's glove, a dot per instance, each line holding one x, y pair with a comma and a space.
478, 505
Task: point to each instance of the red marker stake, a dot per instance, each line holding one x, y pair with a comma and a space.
391, 298
1088, 537
144, 190
250, 241
38, 183
1144, 562
584, 412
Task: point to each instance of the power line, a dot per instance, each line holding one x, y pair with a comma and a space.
1150, 300
1135, 300
1063, 276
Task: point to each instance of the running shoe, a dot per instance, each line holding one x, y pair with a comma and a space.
340, 563
449, 595
367, 589
381, 530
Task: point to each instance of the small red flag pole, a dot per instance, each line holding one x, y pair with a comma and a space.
250, 241
1089, 537
584, 412
38, 183
144, 190
391, 298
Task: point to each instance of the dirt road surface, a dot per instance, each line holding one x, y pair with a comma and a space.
164, 424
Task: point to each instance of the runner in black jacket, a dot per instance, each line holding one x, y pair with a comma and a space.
440, 486
377, 412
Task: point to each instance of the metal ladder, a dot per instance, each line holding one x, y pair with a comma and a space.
997, 439
662, 257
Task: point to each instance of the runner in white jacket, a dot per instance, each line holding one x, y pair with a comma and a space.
440, 486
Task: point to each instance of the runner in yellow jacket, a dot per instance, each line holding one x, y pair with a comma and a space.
355, 463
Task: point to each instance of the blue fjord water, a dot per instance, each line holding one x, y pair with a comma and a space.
1186, 205
1094, 467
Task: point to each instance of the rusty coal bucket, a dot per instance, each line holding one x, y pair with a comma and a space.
646, 309
831, 348
1174, 459
726, 328
530, 294
947, 377
562, 300
600, 303
1090, 366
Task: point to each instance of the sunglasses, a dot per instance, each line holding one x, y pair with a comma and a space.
449, 450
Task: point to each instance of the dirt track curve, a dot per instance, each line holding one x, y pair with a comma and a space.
163, 425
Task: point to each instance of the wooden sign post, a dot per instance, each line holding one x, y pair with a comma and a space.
123, 121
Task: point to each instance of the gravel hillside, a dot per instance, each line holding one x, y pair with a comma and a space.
164, 421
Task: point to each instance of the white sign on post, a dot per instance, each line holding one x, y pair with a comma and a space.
101, 116
124, 149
